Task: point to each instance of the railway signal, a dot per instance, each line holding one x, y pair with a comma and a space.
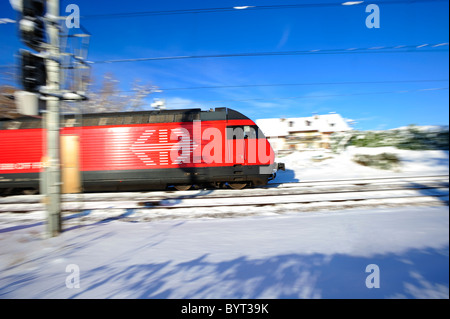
34, 73
31, 24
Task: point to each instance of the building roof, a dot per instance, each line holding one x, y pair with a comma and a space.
317, 123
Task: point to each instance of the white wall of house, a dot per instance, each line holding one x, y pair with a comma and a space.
302, 133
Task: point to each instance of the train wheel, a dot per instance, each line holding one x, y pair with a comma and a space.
237, 185
182, 187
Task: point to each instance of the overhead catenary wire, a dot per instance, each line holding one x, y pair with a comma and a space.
315, 96
299, 84
134, 14
247, 8
234, 86
416, 48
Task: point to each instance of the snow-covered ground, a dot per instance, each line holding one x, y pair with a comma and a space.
295, 255
321, 165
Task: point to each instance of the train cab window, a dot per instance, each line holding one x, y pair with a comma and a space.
243, 131
250, 131
235, 132
260, 134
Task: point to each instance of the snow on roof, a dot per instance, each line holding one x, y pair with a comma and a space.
272, 127
317, 123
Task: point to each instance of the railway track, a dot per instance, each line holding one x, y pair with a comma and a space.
276, 198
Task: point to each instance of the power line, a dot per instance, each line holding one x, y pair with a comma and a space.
247, 8
231, 9
286, 84
316, 96
297, 84
417, 48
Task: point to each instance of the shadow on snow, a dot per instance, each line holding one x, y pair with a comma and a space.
413, 274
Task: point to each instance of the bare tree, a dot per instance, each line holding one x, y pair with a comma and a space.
7, 88
7, 105
109, 98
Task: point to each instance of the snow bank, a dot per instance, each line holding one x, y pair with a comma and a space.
322, 165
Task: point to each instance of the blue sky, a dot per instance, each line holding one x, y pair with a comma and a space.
377, 90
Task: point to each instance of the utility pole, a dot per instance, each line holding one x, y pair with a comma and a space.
41, 80
52, 172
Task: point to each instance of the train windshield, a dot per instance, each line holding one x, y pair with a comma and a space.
244, 131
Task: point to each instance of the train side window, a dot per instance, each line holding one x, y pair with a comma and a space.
143, 119
168, 118
189, 117
27, 124
161, 118
13, 125
116, 120
157, 118
90, 122
186, 117
178, 117
138, 119
36, 124
128, 120
70, 122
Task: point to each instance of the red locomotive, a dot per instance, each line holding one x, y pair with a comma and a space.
141, 151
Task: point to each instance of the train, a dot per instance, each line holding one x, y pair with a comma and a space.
139, 151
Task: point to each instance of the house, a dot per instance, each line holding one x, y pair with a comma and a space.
302, 133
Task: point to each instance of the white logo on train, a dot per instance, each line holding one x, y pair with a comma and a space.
163, 149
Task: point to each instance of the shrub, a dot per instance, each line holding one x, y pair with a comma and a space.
382, 161
411, 138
